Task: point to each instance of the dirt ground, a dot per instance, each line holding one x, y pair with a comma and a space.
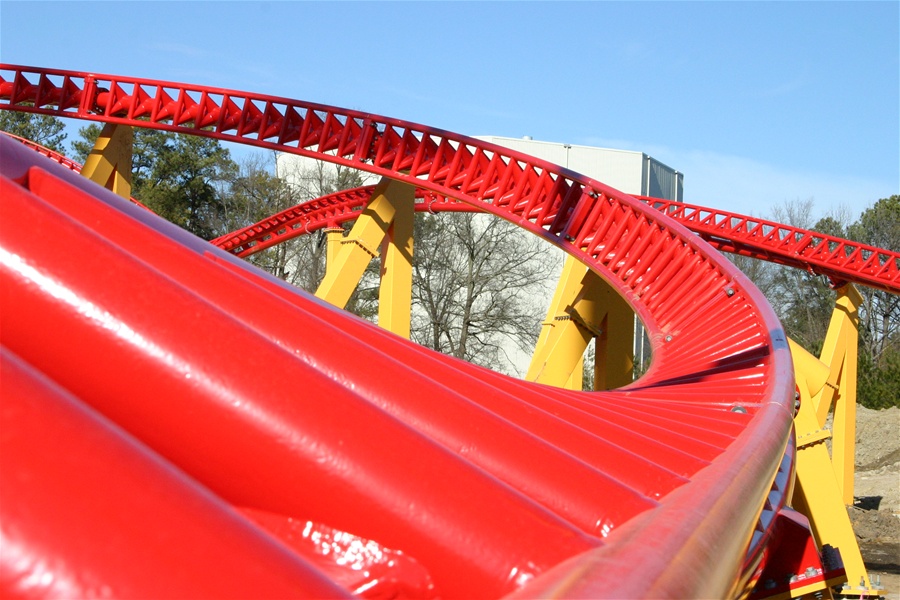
876, 511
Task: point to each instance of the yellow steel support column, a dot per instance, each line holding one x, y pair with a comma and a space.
614, 364
567, 290
817, 494
362, 243
576, 379
580, 308
839, 353
109, 162
334, 236
395, 293
584, 306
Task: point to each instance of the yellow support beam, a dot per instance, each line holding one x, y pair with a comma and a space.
584, 306
557, 326
359, 246
109, 162
563, 340
817, 494
566, 290
576, 380
839, 353
334, 236
395, 292
614, 364
387, 220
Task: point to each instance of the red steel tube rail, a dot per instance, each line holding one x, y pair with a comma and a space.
108, 301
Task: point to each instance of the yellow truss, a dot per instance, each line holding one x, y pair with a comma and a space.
584, 307
825, 484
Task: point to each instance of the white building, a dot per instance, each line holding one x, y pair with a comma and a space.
625, 170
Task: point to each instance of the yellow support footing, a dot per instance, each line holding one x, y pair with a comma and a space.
109, 162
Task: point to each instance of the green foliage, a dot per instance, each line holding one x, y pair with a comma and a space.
183, 178
879, 225
878, 382
42, 129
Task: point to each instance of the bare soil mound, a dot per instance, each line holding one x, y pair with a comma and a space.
876, 511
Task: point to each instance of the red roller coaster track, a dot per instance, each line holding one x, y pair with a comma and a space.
842, 261
181, 421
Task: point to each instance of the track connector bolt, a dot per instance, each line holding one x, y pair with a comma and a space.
669, 337
729, 292
737, 408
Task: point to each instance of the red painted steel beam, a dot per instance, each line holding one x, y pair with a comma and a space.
56, 156
250, 440
484, 524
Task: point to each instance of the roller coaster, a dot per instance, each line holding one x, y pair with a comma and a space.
178, 423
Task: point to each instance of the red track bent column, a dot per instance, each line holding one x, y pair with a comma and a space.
284, 406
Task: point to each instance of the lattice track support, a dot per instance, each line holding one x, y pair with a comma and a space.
822, 481
385, 224
584, 307
109, 163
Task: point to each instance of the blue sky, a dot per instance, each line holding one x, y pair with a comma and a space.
758, 103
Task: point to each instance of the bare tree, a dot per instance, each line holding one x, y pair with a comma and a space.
478, 282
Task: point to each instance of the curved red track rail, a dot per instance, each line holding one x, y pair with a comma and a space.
288, 408
843, 261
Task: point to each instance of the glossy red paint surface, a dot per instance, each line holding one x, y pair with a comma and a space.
86, 511
279, 404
